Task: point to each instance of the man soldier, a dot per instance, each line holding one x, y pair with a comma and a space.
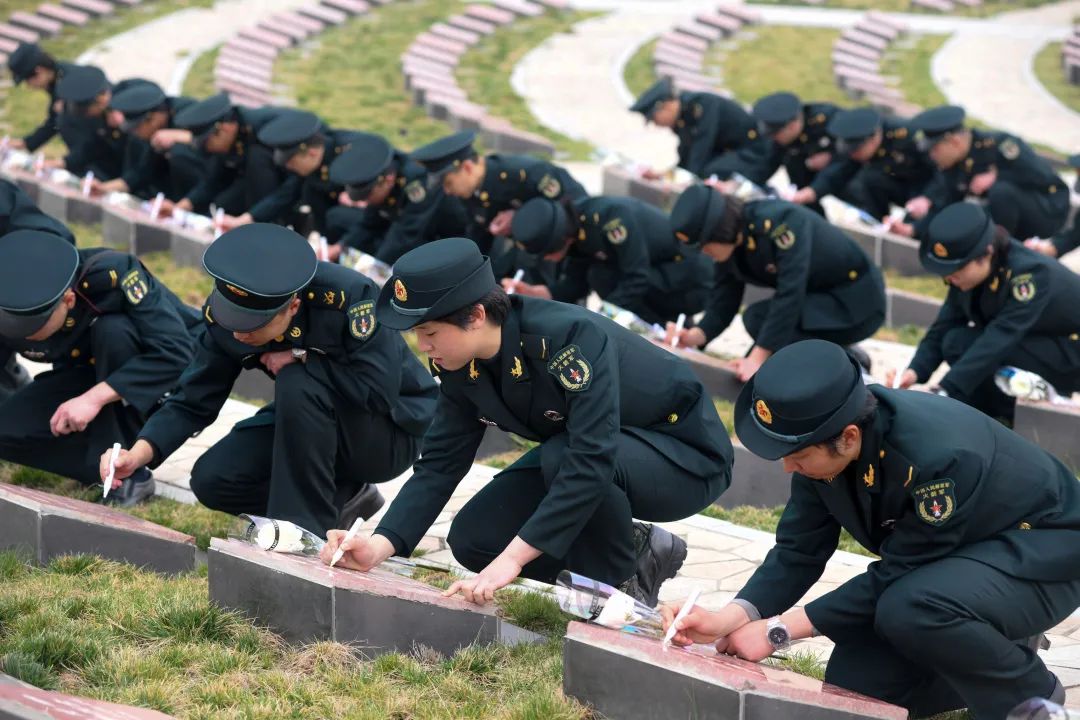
1067, 239
1007, 305
305, 147
94, 140
619, 247
880, 155
18, 212
716, 135
1022, 192
401, 211
572, 381
241, 170
978, 531
826, 286
118, 342
174, 171
351, 401
40, 71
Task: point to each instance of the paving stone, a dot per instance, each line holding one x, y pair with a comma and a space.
490, 14
21, 34
273, 39
631, 677
328, 15
472, 24
19, 701
454, 33
58, 525
37, 23
94, 7
68, 16
353, 7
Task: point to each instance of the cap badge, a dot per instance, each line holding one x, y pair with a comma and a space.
236, 291
399, 291
682, 237
940, 251
763, 412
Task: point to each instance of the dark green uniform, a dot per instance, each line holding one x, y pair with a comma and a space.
979, 536
93, 145
1028, 198
1067, 240
18, 212
1026, 314
718, 137
127, 330
412, 215
625, 430
173, 172
812, 141
47, 130
352, 413
626, 252
826, 286
898, 172
512, 180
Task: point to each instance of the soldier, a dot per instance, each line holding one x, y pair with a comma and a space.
572, 381
351, 401
619, 247
826, 286
117, 339
400, 211
18, 212
978, 531
40, 71
241, 171
1022, 192
94, 140
1007, 305
880, 155
147, 171
1069, 238
305, 147
716, 135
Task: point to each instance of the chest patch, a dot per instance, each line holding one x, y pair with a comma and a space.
573, 370
935, 501
362, 319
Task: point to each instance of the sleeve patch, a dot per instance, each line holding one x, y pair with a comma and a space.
362, 319
1023, 287
135, 286
573, 370
416, 192
783, 237
549, 186
1010, 150
935, 501
616, 232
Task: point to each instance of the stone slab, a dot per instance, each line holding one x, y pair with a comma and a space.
60, 526
68, 205
755, 481
37, 23
188, 246
328, 15
65, 15
906, 308
1054, 428
20, 34
94, 7
631, 677
19, 701
719, 380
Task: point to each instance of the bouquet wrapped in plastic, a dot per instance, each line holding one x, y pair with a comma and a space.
366, 264
280, 536
604, 605
630, 321
1039, 709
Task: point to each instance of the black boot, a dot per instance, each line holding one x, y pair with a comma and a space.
363, 504
659, 557
133, 490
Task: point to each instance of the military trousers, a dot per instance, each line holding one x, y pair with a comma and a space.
1026, 213
950, 634
874, 191
821, 317
302, 457
25, 437
645, 485
260, 177
753, 160
674, 287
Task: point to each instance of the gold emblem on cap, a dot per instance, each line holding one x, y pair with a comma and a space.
940, 250
399, 291
682, 237
236, 291
763, 412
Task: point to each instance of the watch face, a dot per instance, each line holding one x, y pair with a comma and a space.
778, 636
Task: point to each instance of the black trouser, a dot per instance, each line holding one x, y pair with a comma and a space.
753, 161
874, 191
950, 635
1056, 359
645, 485
25, 437
1026, 213
302, 457
675, 287
260, 178
754, 316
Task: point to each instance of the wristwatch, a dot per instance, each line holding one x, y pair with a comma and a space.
777, 634
299, 355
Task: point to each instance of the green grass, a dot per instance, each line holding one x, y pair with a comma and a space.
199, 82
485, 69
910, 63
928, 285
905, 334
638, 73
1047, 67
726, 410
766, 519
755, 68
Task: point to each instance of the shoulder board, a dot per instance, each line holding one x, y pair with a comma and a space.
326, 297
537, 347
102, 271
895, 465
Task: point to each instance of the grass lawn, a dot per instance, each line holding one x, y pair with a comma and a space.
638, 73
755, 68
905, 334
928, 285
911, 65
199, 82
485, 69
1048, 70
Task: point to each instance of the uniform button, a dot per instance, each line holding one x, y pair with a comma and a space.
881, 454
673, 418
852, 275
311, 296
85, 285
1025, 526
91, 361
75, 353
1074, 336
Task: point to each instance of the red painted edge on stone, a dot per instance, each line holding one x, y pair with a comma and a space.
68, 707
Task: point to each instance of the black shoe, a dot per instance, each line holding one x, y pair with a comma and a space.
363, 504
633, 588
133, 490
860, 356
660, 555
1037, 642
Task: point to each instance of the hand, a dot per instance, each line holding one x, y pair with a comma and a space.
500, 224
750, 642
510, 285
899, 227
333, 252
99, 187
818, 161
53, 163
701, 625
982, 182
918, 207
165, 138
233, 221
524, 288
1042, 246
361, 553
804, 196
16, 144
74, 415
344, 199
167, 207
276, 360
481, 589
746, 367
907, 378
688, 337
127, 461
725, 186
652, 174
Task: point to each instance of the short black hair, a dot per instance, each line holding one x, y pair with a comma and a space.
730, 224
496, 307
863, 421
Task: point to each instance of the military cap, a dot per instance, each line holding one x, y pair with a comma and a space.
367, 161
36, 268
773, 112
663, 89
25, 59
291, 132
851, 128
82, 84
957, 235
445, 155
432, 281
257, 268
697, 214
935, 124
203, 117
539, 226
137, 102
806, 393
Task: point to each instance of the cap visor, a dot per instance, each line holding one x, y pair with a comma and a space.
234, 318
941, 267
359, 193
20, 327
283, 156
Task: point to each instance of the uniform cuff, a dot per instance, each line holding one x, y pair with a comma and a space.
751, 609
400, 547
